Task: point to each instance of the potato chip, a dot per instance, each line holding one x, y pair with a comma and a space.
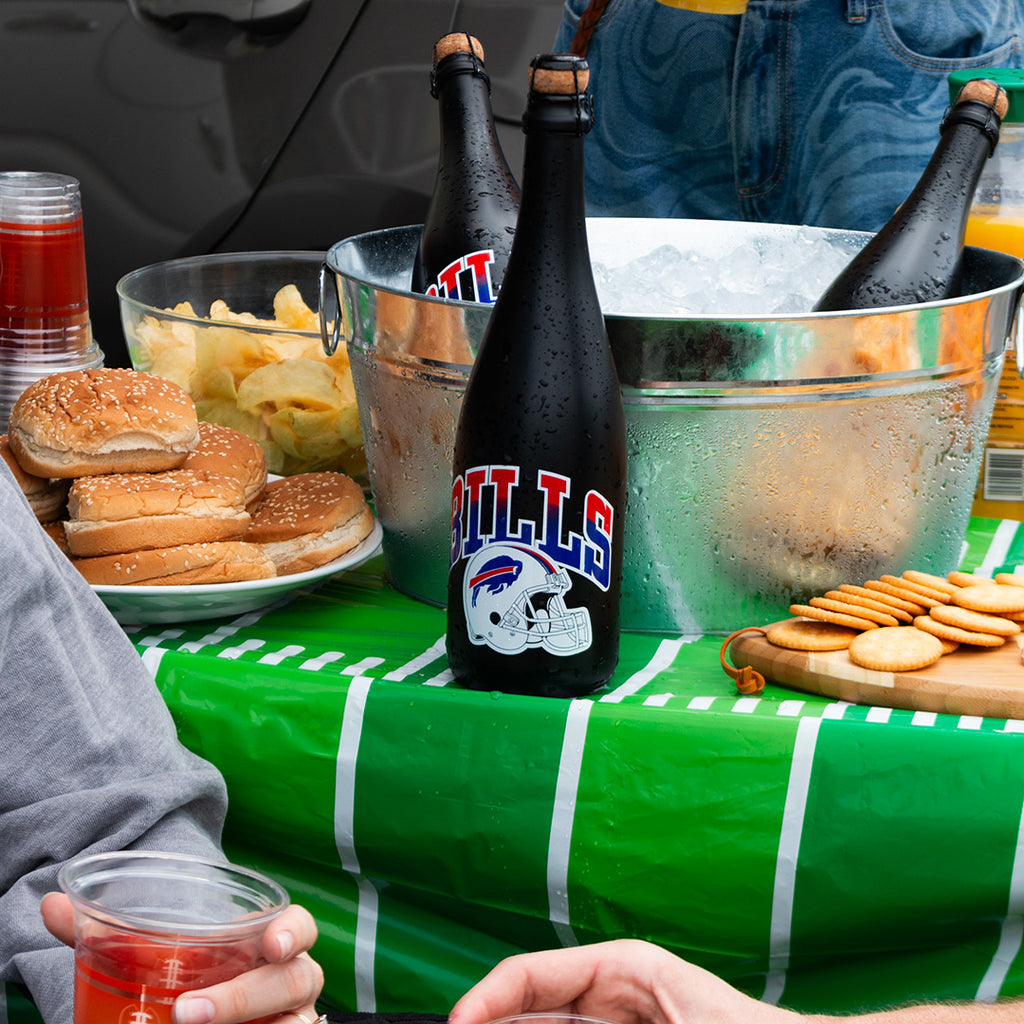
219, 310
279, 388
291, 310
306, 437
299, 383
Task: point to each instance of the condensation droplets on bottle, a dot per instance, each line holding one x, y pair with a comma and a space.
539, 474
469, 226
916, 257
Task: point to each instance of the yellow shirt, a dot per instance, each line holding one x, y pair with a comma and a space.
709, 6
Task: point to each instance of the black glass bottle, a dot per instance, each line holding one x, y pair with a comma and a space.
469, 226
916, 257
539, 475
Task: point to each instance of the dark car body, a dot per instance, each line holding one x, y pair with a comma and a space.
228, 125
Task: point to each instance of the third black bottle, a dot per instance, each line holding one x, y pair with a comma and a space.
539, 475
916, 257
469, 225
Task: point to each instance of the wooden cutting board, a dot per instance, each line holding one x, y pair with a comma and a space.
971, 681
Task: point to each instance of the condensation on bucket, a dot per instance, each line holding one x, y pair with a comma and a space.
795, 474
763, 505
408, 419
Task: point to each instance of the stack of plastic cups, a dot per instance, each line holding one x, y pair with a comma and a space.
44, 302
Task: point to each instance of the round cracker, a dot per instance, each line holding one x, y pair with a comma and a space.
991, 597
974, 622
918, 604
921, 592
878, 595
895, 649
926, 579
1009, 579
810, 635
960, 636
839, 618
858, 611
866, 602
965, 579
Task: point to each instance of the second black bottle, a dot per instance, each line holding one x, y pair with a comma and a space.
467, 235
916, 257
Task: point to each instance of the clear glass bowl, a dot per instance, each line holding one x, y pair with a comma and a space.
247, 361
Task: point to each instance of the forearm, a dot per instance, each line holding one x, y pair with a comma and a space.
88, 752
938, 1013
634, 982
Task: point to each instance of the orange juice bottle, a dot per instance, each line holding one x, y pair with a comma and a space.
996, 221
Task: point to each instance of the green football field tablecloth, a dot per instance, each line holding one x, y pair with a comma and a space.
822, 855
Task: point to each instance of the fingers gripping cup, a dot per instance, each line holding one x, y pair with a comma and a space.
149, 926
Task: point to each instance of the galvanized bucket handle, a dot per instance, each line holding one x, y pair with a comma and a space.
330, 328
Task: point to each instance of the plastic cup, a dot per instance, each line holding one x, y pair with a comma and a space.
149, 926
548, 1018
44, 298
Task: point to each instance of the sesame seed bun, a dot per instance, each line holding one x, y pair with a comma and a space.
217, 562
310, 519
224, 450
55, 531
85, 422
46, 497
121, 512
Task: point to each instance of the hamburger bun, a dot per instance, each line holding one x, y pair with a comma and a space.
121, 512
310, 519
225, 450
85, 422
55, 531
229, 561
46, 497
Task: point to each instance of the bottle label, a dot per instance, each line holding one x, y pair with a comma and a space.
518, 573
467, 278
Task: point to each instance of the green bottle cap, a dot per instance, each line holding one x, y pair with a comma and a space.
1011, 79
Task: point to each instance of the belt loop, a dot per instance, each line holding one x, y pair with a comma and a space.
856, 11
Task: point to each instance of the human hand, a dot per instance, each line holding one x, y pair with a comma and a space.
624, 981
283, 988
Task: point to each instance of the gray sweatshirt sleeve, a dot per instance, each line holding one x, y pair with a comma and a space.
89, 757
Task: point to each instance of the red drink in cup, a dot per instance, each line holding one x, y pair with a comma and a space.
44, 302
44, 299
149, 926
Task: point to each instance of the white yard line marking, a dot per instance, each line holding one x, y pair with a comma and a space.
1012, 930
421, 661
789, 850
998, 549
663, 658
344, 840
562, 815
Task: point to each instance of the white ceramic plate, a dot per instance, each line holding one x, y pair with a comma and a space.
143, 605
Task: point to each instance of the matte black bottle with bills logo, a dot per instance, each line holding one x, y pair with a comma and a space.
468, 230
916, 257
539, 475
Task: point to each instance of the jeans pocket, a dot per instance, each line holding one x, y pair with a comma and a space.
946, 35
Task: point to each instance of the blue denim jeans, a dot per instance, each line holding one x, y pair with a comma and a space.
799, 111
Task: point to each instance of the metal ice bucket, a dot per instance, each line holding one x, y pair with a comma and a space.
771, 457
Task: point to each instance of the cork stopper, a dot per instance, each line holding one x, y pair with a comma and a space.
983, 90
560, 81
457, 42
